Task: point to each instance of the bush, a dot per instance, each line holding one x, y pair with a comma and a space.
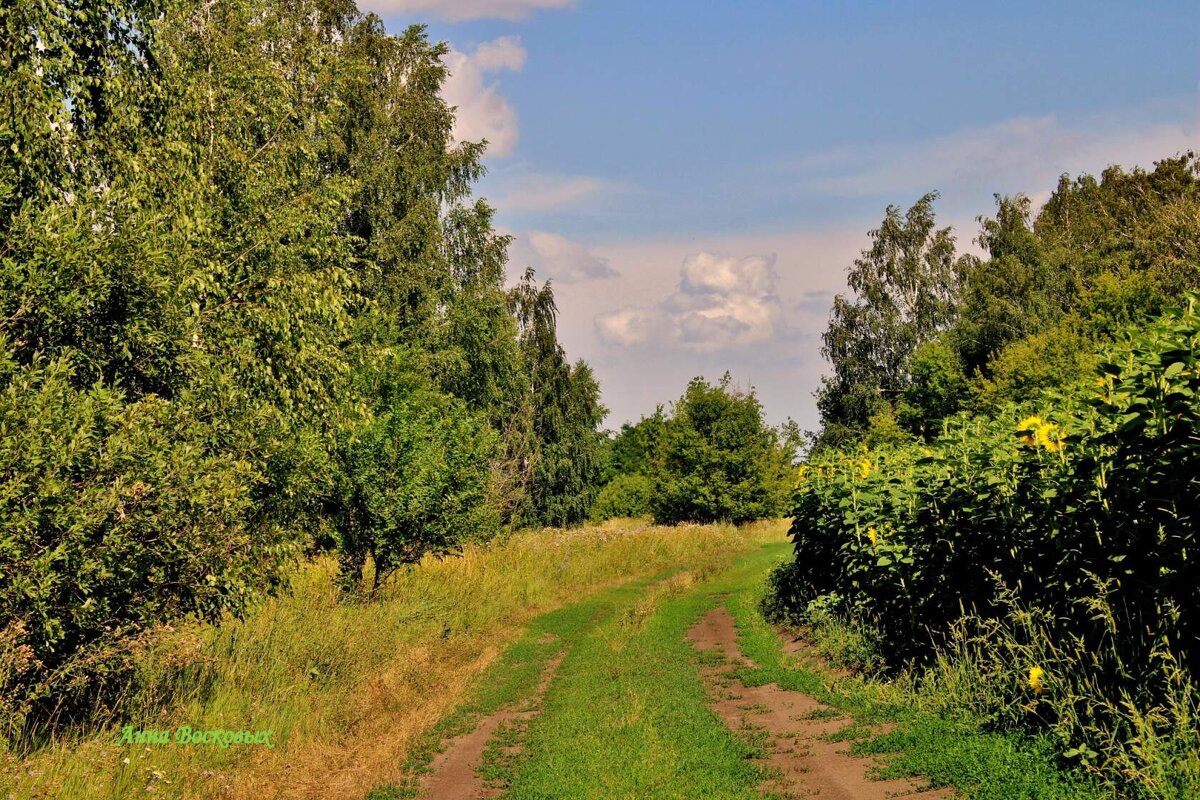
718, 461
784, 601
115, 516
623, 496
1083, 517
412, 481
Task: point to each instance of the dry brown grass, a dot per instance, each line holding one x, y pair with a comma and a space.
350, 688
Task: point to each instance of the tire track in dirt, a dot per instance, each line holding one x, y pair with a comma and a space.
802, 760
454, 773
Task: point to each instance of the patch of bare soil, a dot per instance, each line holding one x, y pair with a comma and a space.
804, 763
454, 773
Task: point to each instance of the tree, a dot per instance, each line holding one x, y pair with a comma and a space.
247, 307
565, 414
905, 288
412, 479
937, 388
718, 461
1009, 295
631, 451
173, 299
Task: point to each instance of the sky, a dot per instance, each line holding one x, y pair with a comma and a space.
695, 177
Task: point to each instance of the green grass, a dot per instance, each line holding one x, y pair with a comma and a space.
351, 689
628, 717
512, 683
982, 765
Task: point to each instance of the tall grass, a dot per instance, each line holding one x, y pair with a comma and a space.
1144, 746
1143, 743
347, 688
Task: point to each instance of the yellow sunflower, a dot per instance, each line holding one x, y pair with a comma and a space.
1049, 436
1028, 428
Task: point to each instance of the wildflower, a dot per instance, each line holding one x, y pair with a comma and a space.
1027, 427
864, 468
1049, 436
873, 535
1036, 679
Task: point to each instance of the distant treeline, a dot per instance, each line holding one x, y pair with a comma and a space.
926, 332
248, 309
711, 458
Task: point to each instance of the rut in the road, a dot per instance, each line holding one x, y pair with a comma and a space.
800, 756
454, 773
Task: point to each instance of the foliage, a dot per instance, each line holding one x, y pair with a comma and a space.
904, 292
937, 389
631, 451
1052, 287
1084, 513
566, 414
412, 481
231, 236
718, 460
117, 515
624, 496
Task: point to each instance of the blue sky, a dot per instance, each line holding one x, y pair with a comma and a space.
695, 177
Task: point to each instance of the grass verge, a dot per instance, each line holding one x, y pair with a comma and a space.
960, 753
350, 691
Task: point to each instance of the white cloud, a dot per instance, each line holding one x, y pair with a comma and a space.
482, 112
1018, 154
534, 192
720, 303
632, 346
558, 257
626, 327
462, 10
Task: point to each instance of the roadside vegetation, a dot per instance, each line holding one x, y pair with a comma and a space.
249, 312
351, 690
1002, 509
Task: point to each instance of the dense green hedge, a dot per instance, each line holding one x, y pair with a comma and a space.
1082, 505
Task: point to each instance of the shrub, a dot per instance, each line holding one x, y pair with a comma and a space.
412, 481
718, 461
1082, 516
115, 516
624, 496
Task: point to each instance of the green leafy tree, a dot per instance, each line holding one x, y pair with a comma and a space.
718, 461
566, 414
412, 480
905, 288
937, 389
1009, 295
231, 236
631, 451
1127, 222
174, 305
